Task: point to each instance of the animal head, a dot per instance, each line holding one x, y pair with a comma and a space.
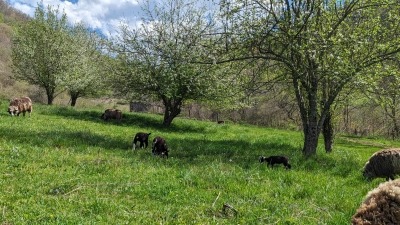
13, 110
367, 172
160, 147
143, 135
262, 159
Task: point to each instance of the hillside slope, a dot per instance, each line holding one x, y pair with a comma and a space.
9, 18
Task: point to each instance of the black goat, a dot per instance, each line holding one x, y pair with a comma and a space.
276, 160
160, 147
142, 138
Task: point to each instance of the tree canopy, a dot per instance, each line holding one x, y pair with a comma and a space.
86, 75
50, 53
165, 58
322, 46
39, 47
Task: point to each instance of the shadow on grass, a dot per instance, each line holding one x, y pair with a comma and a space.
340, 165
183, 150
246, 155
70, 139
242, 153
144, 120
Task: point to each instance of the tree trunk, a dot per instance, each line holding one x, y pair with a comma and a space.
309, 113
393, 116
50, 96
327, 132
311, 135
74, 98
170, 115
172, 110
310, 144
395, 129
346, 118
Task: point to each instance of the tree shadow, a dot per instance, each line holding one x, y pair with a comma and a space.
58, 139
128, 119
242, 153
185, 151
245, 154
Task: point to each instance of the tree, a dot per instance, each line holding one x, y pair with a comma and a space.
321, 45
39, 50
162, 58
85, 75
383, 89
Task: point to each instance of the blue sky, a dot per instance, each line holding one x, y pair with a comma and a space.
103, 15
72, 1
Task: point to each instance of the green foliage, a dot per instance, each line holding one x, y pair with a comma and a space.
321, 46
381, 87
39, 50
86, 73
166, 58
51, 54
67, 166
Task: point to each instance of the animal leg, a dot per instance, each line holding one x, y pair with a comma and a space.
133, 145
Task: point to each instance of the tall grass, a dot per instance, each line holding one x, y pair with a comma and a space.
67, 166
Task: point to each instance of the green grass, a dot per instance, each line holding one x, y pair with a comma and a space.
67, 166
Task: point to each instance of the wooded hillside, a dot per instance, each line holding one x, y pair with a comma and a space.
9, 18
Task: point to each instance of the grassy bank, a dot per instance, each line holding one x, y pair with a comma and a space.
67, 166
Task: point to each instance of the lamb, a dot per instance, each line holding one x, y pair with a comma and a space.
384, 163
276, 160
142, 138
112, 114
160, 147
20, 105
381, 205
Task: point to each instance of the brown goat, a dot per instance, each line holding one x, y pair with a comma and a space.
160, 147
142, 138
112, 114
20, 105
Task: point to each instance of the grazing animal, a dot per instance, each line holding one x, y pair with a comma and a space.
142, 138
20, 105
160, 147
112, 114
384, 163
272, 160
381, 205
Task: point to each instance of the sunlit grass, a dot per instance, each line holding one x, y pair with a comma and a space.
67, 166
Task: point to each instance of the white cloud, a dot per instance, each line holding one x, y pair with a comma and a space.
103, 15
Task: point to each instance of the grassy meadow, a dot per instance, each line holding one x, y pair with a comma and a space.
67, 166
